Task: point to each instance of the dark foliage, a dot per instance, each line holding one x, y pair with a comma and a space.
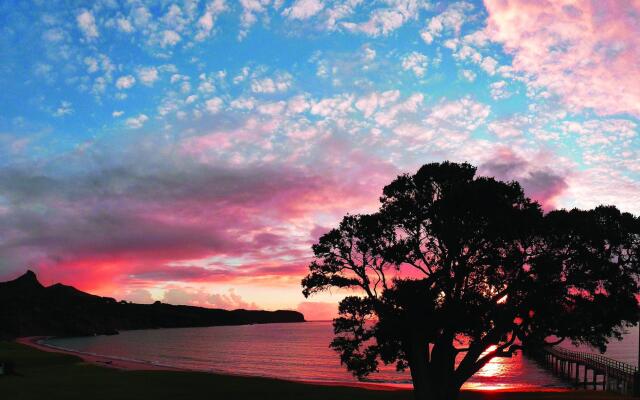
455, 270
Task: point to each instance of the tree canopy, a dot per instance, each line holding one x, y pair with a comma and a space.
456, 269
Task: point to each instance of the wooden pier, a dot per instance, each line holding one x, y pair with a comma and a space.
591, 371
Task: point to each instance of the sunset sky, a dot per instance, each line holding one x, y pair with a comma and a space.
192, 151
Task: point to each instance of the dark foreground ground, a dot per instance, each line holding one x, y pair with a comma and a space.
45, 375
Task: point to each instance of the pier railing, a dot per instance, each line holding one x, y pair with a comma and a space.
615, 375
597, 360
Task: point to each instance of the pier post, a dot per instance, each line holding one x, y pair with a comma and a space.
616, 376
585, 376
577, 373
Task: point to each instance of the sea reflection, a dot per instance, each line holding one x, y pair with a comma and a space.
286, 351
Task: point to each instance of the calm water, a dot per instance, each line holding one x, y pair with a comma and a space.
292, 351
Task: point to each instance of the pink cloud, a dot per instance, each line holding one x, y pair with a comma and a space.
586, 52
228, 301
318, 311
145, 226
532, 171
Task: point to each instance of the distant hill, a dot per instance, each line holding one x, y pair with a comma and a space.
27, 308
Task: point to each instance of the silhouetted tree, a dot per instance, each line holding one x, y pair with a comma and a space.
455, 270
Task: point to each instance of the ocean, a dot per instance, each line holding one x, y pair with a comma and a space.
297, 351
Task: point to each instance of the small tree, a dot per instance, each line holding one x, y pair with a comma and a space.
455, 270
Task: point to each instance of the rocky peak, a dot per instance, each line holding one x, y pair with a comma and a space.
28, 280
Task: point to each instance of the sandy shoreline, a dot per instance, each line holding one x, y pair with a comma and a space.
131, 365
103, 361
43, 373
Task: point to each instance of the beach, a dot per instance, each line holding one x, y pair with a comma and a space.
293, 352
45, 372
108, 362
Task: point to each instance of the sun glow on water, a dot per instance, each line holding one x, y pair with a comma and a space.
288, 351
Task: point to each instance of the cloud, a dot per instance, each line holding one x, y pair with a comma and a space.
207, 21
250, 11
442, 128
148, 220
65, 108
303, 9
318, 311
227, 171
139, 296
125, 82
499, 90
148, 75
514, 127
468, 74
228, 301
281, 83
489, 65
92, 64
451, 19
44, 71
87, 24
539, 181
602, 184
298, 104
141, 16
214, 105
169, 38
136, 122
415, 62
388, 116
244, 73
370, 103
243, 103
463, 115
124, 25
383, 21
369, 54
54, 35
273, 108
333, 107
584, 52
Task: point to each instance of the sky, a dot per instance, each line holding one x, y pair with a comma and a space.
192, 151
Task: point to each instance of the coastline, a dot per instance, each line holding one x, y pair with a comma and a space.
102, 361
47, 372
133, 365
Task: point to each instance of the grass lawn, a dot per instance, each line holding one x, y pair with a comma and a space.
45, 375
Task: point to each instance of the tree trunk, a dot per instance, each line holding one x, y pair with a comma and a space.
436, 391
418, 354
421, 387
446, 392
425, 387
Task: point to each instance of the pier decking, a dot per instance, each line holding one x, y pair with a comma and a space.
592, 370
